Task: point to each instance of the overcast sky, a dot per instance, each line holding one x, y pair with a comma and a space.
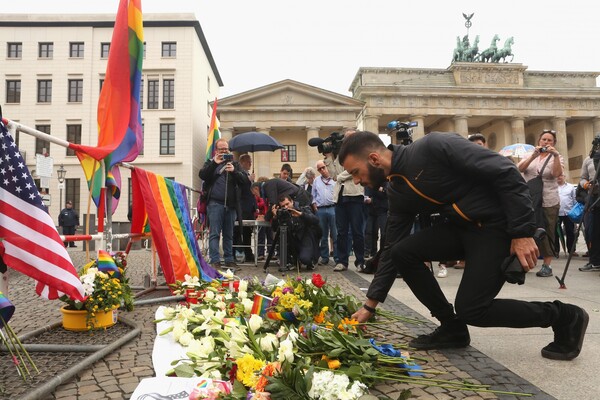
323, 43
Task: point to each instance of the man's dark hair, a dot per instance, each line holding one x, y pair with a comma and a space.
476, 136
359, 143
283, 197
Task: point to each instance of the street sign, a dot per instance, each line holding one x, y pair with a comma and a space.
44, 165
46, 199
45, 182
61, 186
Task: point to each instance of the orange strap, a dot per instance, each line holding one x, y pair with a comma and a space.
417, 191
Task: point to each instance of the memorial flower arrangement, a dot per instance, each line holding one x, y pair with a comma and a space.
105, 285
267, 352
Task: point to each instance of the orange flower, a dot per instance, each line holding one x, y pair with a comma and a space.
331, 363
268, 370
348, 324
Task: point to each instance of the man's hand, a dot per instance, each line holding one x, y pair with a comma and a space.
527, 252
362, 315
229, 167
294, 212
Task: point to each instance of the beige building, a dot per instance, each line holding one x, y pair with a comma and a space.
505, 102
52, 69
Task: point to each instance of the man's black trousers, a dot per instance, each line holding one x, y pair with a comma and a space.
483, 250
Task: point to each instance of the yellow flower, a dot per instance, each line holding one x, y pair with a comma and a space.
331, 363
348, 324
248, 368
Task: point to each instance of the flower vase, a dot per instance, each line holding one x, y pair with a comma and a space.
78, 320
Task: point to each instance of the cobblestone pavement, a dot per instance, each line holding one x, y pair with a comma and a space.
116, 375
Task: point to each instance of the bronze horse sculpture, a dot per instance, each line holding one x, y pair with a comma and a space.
488, 53
504, 52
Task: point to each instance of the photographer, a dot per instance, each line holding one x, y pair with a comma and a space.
303, 228
222, 179
489, 217
591, 219
546, 161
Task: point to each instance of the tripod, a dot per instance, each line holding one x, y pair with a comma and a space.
281, 238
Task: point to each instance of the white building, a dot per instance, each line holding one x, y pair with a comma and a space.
52, 69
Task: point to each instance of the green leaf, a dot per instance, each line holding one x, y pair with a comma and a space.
354, 372
239, 390
184, 370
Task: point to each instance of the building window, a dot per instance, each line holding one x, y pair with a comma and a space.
40, 144
75, 90
14, 50
13, 91
76, 49
169, 49
72, 193
291, 153
44, 89
168, 93
167, 139
73, 136
104, 49
142, 94
153, 94
101, 84
46, 49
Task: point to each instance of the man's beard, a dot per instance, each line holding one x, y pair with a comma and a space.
376, 176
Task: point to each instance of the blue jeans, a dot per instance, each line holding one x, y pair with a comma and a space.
220, 220
327, 221
350, 215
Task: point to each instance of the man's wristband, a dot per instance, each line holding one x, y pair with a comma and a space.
369, 309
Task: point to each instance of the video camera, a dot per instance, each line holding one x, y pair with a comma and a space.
331, 144
284, 216
403, 131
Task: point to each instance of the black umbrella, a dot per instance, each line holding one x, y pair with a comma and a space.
254, 141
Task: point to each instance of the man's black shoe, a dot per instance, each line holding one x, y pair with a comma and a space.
568, 338
451, 334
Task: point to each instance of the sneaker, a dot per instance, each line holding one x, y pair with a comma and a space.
450, 334
568, 338
231, 265
545, 272
360, 267
589, 268
340, 267
459, 265
310, 267
442, 272
323, 261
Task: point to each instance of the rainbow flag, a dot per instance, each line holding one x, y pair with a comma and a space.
282, 316
119, 115
213, 133
261, 303
107, 264
6, 310
164, 204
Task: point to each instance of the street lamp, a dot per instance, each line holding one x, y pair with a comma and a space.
61, 180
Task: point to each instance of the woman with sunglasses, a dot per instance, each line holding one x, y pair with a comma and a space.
530, 168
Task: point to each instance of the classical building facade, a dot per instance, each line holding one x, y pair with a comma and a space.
291, 112
504, 101
52, 69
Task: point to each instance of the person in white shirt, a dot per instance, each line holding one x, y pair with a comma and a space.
566, 192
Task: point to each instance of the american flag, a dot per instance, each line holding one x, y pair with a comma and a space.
29, 241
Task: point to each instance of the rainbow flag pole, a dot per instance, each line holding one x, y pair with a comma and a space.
213, 134
261, 303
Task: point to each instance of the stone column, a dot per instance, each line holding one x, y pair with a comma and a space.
461, 125
371, 122
560, 126
419, 130
262, 159
226, 133
312, 154
517, 126
596, 126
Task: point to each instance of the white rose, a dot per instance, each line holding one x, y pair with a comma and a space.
286, 351
186, 338
269, 342
242, 295
247, 303
243, 286
220, 305
293, 335
228, 296
209, 295
255, 322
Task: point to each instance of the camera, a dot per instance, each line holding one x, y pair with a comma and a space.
403, 131
227, 157
284, 216
543, 149
331, 144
